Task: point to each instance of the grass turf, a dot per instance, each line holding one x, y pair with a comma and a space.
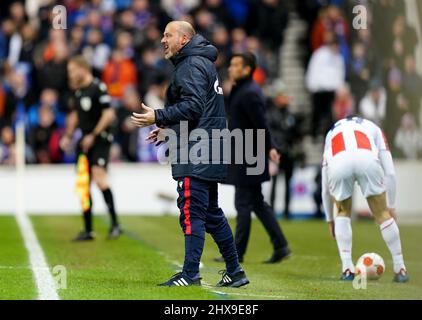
130, 267
16, 280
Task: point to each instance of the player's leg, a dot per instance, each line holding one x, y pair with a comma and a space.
99, 176
390, 233
343, 232
192, 203
267, 217
219, 228
243, 205
370, 181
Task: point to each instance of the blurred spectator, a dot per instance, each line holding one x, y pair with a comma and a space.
7, 140
204, 22
29, 36
96, 52
397, 103
373, 104
52, 71
404, 41
127, 133
330, 19
408, 139
219, 11
344, 103
118, 74
412, 86
286, 132
16, 91
156, 95
40, 136
359, 70
267, 20
325, 74
48, 98
76, 41
176, 9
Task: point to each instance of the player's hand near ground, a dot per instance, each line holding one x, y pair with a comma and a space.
274, 156
144, 119
331, 229
87, 142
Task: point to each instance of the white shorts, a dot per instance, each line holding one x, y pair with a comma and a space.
360, 166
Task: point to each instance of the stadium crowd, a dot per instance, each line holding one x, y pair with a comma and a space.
374, 73
379, 66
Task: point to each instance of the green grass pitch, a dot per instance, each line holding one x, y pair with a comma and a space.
152, 248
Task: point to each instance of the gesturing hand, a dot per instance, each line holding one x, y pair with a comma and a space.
156, 136
144, 119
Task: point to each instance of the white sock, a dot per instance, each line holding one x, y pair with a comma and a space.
390, 233
343, 230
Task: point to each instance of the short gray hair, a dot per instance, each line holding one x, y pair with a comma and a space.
185, 28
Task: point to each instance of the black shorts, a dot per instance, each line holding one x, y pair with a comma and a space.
98, 155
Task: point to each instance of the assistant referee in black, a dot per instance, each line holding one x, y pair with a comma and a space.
91, 112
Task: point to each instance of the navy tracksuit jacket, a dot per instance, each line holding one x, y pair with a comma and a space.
194, 95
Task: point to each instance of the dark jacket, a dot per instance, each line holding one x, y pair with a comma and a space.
195, 96
246, 110
285, 128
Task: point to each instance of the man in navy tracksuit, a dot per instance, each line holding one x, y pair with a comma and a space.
194, 96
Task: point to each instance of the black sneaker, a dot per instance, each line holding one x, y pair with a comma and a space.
279, 255
181, 280
347, 275
221, 259
234, 281
84, 236
114, 232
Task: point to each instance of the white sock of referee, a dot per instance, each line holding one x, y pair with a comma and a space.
390, 233
343, 230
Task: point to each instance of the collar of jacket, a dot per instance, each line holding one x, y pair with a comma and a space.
242, 81
197, 46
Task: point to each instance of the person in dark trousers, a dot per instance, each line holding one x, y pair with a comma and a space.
93, 114
195, 102
246, 110
285, 130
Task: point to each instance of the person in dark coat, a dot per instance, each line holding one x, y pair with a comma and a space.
246, 110
285, 130
195, 104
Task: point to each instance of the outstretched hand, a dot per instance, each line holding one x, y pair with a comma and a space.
145, 118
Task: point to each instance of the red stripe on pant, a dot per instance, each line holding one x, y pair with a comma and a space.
186, 207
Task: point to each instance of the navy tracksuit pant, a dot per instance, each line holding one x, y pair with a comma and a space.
200, 213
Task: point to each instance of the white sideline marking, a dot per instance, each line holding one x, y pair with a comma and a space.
44, 281
211, 288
